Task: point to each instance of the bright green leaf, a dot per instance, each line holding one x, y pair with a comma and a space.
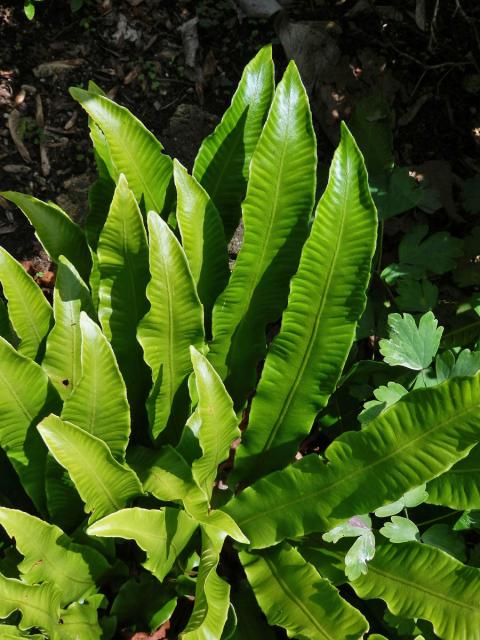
98, 404
123, 265
134, 151
161, 533
400, 530
103, 483
276, 211
294, 596
327, 297
51, 556
26, 395
203, 239
62, 359
410, 345
28, 309
218, 422
419, 581
417, 439
173, 323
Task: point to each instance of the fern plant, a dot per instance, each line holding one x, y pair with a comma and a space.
127, 500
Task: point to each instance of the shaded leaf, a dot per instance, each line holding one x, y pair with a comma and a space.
442, 537
223, 161
57, 232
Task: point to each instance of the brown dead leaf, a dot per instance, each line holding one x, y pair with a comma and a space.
39, 117
191, 43
159, 634
57, 67
44, 161
47, 279
14, 123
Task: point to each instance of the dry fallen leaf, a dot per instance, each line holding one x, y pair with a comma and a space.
57, 67
14, 123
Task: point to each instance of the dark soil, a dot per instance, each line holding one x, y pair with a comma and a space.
428, 66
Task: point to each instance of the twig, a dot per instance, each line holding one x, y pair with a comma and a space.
433, 26
429, 67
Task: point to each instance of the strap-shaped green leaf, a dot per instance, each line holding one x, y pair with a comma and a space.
414, 441
459, 487
51, 556
212, 594
223, 160
62, 359
173, 323
293, 595
123, 263
57, 232
133, 149
217, 422
419, 581
161, 533
276, 211
101, 192
38, 605
28, 309
327, 297
26, 395
98, 404
104, 484
203, 239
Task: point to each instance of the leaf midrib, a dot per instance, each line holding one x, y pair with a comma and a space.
313, 335
92, 472
359, 471
254, 280
413, 585
285, 588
